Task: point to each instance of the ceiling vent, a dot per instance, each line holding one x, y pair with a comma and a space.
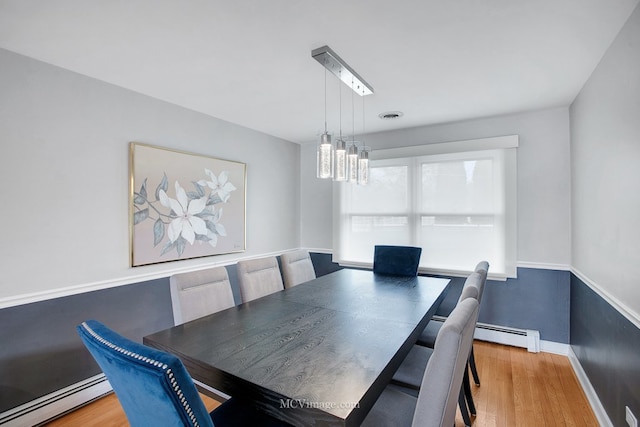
391, 115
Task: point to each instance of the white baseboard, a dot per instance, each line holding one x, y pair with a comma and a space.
555, 347
592, 397
54, 404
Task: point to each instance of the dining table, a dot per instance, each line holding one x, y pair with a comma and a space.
316, 354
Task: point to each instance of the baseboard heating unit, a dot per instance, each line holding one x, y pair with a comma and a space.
525, 338
54, 404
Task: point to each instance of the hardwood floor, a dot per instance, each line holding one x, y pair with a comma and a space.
527, 389
518, 389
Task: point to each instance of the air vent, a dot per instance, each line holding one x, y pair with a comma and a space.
391, 115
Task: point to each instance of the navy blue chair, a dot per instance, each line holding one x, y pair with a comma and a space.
396, 260
154, 388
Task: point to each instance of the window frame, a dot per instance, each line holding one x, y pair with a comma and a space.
414, 156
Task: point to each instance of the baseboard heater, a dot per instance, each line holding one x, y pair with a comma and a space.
45, 408
525, 338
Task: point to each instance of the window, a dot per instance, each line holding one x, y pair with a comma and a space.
459, 207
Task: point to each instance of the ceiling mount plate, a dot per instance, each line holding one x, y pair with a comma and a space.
332, 62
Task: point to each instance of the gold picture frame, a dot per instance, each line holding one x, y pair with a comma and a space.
184, 205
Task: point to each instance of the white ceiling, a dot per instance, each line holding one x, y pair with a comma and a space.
249, 61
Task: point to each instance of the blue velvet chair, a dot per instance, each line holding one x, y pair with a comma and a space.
396, 260
154, 388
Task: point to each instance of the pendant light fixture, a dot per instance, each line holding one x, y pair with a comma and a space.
342, 162
363, 157
324, 154
352, 158
340, 151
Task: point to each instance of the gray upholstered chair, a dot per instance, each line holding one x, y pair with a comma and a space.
441, 382
428, 336
409, 374
296, 268
259, 277
483, 269
199, 293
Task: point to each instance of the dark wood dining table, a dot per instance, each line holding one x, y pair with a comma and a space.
319, 353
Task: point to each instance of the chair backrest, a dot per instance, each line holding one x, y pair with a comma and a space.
483, 269
396, 260
442, 379
471, 287
199, 293
153, 387
296, 268
482, 265
259, 277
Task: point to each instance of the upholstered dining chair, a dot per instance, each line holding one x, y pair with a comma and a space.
428, 336
296, 268
154, 388
396, 260
483, 269
435, 405
259, 277
409, 374
199, 293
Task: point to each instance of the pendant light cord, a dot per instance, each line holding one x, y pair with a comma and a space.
340, 98
363, 118
353, 117
325, 100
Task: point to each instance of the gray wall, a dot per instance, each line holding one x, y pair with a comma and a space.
605, 297
605, 172
64, 168
544, 210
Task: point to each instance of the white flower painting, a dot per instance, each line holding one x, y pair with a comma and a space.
182, 216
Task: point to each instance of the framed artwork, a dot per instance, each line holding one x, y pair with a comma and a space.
184, 205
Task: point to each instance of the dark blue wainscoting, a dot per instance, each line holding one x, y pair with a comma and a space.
40, 351
538, 299
607, 345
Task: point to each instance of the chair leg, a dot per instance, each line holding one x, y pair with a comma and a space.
466, 384
463, 408
474, 370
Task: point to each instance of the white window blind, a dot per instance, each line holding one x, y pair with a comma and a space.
459, 207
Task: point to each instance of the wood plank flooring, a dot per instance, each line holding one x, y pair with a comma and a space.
519, 389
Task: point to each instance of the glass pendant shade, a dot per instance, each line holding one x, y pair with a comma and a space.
325, 157
352, 164
340, 161
363, 167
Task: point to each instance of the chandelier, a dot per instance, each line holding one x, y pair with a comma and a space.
343, 161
